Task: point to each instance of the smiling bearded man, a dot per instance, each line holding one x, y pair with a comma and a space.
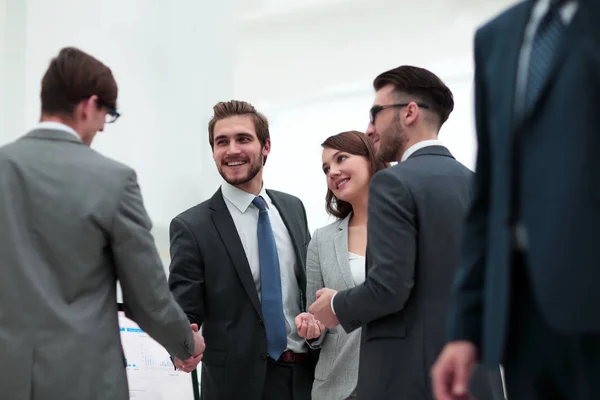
237, 269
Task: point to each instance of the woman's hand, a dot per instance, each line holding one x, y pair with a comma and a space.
308, 326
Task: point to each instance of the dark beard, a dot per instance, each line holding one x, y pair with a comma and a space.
392, 144
252, 172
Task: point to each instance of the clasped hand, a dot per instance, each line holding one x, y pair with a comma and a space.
308, 326
199, 346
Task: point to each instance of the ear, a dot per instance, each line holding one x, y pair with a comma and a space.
412, 113
88, 106
266, 148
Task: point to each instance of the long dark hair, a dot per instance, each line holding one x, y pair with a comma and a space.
358, 144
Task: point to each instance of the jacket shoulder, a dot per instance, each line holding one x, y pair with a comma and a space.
327, 231
194, 213
284, 196
503, 21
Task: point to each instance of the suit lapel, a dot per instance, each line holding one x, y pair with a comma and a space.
340, 242
231, 240
297, 240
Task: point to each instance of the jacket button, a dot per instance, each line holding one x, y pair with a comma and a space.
264, 356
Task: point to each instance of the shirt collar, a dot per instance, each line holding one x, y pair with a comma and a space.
57, 126
418, 146
242, 199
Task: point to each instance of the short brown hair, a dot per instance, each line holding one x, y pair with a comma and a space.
355, 143
422, 84
226, 109
73, 76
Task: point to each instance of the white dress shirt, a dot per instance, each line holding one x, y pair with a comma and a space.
245, 218
57, 126
418, 146
357, 267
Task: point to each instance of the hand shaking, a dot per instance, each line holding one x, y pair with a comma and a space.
321, 308
199, 346
308, 327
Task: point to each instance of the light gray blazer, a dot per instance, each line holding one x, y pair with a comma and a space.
72, 222
327, 265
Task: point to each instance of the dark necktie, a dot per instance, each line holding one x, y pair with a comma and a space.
270, 283
543, 50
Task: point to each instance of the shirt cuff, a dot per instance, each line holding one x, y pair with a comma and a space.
333, 309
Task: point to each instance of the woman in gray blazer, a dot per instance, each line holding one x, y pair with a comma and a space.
336, 259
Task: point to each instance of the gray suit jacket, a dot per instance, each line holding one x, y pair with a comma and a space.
328, 266
72, 223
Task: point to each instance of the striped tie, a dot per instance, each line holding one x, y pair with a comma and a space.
543, 50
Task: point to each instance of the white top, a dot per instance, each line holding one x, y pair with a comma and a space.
57, 126
418, 146
357, 267
245, 218
567, 12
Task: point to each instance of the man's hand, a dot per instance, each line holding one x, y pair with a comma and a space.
199, 346
308, 326
321, 308
451, 373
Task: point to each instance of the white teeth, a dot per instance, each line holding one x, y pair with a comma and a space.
236, 163
342, 183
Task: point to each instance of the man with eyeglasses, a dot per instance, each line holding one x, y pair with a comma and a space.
415, 219
72, 222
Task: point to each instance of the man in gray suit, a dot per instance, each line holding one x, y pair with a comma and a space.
415, 219
73, 223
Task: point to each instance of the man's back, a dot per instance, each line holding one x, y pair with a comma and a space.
432, 191
69, 232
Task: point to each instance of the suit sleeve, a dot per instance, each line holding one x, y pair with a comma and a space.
186, 277
307, 230
146, 296
467, 301
391, 250
314, 282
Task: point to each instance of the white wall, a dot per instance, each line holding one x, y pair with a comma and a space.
307, 64
172, 63
310, 68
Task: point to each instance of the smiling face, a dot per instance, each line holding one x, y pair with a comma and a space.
347, 174
237, 151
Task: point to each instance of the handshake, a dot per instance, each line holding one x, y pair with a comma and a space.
199, 346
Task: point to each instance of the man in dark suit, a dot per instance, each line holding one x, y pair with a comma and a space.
238, 269
416, 212
527, 291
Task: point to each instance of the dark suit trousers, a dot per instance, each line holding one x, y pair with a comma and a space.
287, 381
541, 363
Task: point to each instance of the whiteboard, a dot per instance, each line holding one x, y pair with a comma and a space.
150, 372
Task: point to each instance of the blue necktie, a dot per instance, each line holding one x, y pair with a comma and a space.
270, 283
543, 50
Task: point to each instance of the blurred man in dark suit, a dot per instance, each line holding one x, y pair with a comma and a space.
527, 292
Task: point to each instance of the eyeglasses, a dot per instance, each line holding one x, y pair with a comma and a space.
376, 109
111, 115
